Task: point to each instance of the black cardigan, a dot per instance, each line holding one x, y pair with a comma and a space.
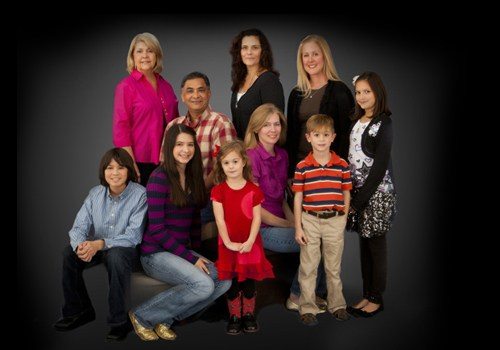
377, 147
267, 88
338, 103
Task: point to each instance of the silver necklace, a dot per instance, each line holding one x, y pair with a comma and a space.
314, 92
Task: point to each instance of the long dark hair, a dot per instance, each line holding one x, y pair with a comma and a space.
378, 88
194, 169
238, 68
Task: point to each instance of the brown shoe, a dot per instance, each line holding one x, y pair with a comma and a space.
320, 303
309, 319
341, 315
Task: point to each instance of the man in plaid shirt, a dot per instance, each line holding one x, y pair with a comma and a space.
213, 129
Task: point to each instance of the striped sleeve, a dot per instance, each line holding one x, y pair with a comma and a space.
346, 177
299, 178
159, 206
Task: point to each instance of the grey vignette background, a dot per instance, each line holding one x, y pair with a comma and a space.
67, 74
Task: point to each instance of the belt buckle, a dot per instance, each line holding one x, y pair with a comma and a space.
331, 214
327, 214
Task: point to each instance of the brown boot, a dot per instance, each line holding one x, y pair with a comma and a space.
234, 307
250, 324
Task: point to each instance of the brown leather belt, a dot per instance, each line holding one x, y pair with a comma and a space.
325, 214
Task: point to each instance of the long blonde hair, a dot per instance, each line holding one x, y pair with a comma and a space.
151, 42
257, 121
303, 83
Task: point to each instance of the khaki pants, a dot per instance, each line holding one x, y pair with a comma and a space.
328, 235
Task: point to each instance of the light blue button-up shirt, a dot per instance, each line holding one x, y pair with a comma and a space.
119, 220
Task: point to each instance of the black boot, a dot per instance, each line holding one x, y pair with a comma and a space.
234, 323
250, 324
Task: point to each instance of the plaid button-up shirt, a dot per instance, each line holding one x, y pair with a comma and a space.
213, 129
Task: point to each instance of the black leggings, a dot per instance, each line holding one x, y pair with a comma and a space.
373, 267
247, 287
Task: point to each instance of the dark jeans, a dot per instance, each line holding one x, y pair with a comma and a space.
373, 267
119, 262
146, 169
207, 213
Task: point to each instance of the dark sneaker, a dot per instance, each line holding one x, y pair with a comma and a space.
119, 333
75, 321
341, 315
309, 319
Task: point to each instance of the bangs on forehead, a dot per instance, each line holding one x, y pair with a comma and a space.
116, 159
235, 151
322, 129
148, 43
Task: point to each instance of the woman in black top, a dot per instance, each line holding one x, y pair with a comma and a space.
255, 81
319, 90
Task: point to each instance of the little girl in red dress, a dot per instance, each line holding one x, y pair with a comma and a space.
236, 202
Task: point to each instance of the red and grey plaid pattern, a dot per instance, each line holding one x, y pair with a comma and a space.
213, 129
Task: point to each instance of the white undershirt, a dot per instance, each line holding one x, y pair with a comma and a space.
238, 96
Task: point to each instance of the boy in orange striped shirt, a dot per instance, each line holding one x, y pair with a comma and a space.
321, 184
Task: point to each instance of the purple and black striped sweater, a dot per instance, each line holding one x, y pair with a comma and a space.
170, 228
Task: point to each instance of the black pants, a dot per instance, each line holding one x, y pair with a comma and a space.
146, 169
373, 267
119, 262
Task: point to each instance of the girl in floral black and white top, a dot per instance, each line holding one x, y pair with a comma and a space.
374, 198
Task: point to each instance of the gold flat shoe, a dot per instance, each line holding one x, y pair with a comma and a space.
141, 331
165, 332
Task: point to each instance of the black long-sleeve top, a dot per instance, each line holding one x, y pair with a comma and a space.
377, 147
338, 103
266, 89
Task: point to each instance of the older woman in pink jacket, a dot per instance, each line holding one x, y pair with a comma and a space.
144, 104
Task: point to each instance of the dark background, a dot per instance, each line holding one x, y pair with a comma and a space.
68, 68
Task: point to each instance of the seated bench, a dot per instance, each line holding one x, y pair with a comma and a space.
144, 287
270, 291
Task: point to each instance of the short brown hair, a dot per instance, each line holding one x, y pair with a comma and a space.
318, 122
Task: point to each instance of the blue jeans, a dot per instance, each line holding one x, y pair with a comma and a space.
282, 240
191, 289
279, 239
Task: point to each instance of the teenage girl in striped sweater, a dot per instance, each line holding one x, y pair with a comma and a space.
175, 193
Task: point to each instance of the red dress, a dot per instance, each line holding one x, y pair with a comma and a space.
238, 215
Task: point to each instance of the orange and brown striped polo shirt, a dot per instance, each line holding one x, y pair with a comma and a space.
322, 184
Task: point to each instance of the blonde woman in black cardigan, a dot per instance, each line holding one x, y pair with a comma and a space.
319, 90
